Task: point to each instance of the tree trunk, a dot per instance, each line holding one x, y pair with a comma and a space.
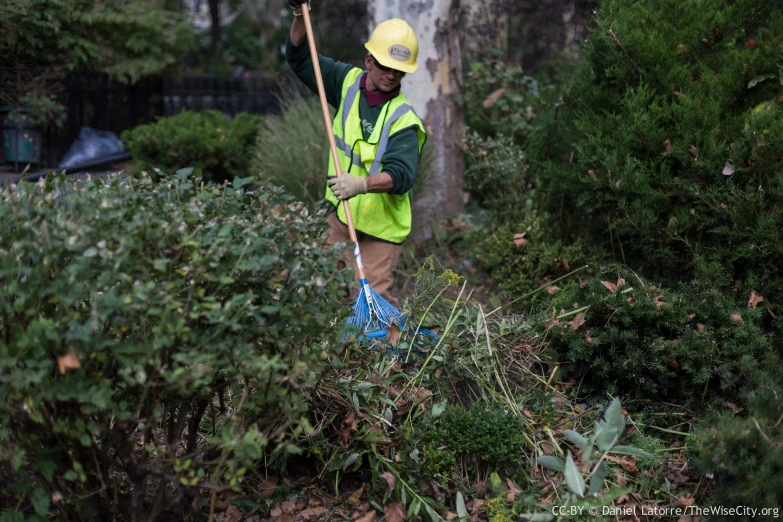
214, 14
433, 92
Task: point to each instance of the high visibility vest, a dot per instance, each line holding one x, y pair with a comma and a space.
383, 216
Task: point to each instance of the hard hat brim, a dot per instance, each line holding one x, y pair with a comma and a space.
382, 57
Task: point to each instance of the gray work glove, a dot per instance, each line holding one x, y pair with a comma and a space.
347, 186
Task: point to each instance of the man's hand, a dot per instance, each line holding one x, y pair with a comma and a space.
347, 186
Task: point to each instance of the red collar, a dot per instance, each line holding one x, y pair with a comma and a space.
377, 97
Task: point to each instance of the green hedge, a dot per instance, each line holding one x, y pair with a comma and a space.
207, 140
154, 339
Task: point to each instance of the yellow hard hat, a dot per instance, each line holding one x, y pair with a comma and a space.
394, 44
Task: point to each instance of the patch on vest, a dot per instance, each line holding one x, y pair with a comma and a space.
367, 126
400, 53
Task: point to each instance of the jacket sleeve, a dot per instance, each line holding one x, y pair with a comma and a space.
401, 159
332, 72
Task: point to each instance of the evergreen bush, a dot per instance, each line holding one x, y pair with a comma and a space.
207, 140
742, 453
483, 439
655, 341
155, 339
524, 256
679, 143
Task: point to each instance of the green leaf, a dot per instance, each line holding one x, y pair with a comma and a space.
40, 500
573, 477
462, 511
611, 428
352, 459
630, 450
497, 484
758, 79
597, 480
553, 463
576, 438
184, 173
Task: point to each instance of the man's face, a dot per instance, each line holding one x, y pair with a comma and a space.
381, 78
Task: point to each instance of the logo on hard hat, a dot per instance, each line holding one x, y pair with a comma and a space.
400, 53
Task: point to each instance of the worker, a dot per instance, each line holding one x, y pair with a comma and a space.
379, 141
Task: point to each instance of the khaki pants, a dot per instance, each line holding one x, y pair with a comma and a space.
379, 258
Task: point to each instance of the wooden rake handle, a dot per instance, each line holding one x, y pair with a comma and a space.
328, 122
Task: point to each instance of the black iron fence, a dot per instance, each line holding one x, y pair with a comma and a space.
93, 100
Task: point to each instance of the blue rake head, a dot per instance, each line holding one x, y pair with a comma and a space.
373, 318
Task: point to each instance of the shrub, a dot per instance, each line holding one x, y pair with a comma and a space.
483, 439
497, 177
673, 149
155, 339
635, 336
743, 453
523, 257
206, 140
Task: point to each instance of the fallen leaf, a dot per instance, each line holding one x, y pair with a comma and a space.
268, 486
390, 479
733, 407
592, 175
620, 479
658, 300
232, 514
519, 239
393, 335
476, 509
369, 517
490, 100
554, 321
691, 316
513, 487
552, 289
620, 282
547, 448
288, 507
611, 286
275, 511
286, 518
70, 361
312, 512
728, 168
668, 145
693, 212
356, 495
686, 500
617, 184
395, 512
736, 318
754, 300
751, 44
450, 515
694, 152
578, 321
700, 327
628, 463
